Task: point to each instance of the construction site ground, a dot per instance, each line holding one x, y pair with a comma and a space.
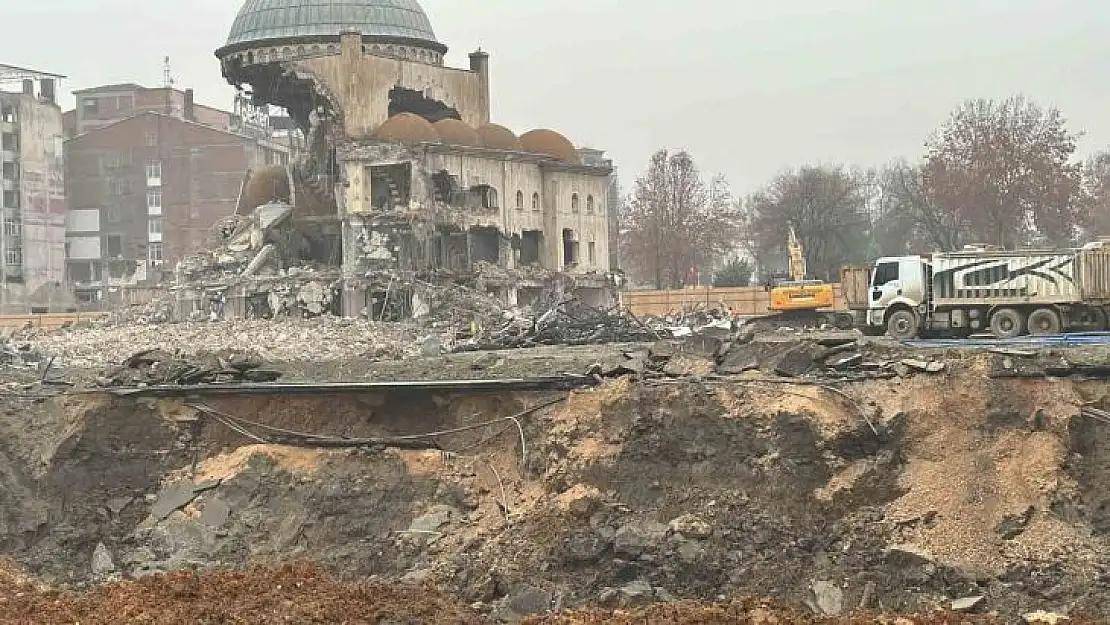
872, 482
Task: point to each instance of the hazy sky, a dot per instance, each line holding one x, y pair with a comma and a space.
749, 88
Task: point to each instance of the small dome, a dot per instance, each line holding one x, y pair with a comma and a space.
455, 132
550, 143
407, 127
498, 137
265, 185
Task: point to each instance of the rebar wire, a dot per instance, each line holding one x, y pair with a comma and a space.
309, 439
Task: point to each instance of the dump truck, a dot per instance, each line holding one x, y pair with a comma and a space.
983, 289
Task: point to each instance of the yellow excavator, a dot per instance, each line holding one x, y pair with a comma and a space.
799, 301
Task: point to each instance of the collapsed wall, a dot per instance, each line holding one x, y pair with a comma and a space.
893, 496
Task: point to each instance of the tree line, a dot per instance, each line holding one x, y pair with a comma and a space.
997, 172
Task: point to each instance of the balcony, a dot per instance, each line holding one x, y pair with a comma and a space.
154, 211
153, 182
154, 237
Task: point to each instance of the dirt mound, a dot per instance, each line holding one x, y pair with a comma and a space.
297, 593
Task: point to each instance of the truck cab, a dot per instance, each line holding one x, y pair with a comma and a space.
898, 294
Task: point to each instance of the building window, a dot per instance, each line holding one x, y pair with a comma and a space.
590, 204
7, 114
591, 250
151, 140
155, 226
11, 199
12, 227
154, 253
154, 202
9, 142
520, 200
14, 256
535, 201
154, 172
11, 171
113, 246
90, 106
574, 203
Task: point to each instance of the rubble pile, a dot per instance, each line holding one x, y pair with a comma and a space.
714, 351
567, 322
159, 367
323, 339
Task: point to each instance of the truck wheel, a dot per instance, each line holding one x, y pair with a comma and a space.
1007, 323
901, 325
1044, 321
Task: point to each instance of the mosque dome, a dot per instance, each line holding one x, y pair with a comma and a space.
407, 127
455, 132
280, 21
550, 143
498, 137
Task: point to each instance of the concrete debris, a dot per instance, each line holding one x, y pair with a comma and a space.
839, 357
567, 322
158, 367
1046, 618
102, 561
967, 604
324, 339
828, 598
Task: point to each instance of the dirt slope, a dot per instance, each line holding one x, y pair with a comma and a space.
897, 496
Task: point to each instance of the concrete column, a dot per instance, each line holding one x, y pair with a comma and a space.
350, 44
479, 64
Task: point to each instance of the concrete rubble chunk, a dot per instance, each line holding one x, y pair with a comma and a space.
967, 604
102, 563
828, 597
1046, 618
635, 593
636, 539
526, 601
691, 526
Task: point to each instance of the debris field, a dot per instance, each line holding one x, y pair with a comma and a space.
700, 476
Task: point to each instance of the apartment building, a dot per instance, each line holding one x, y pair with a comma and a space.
32, 202
146, 190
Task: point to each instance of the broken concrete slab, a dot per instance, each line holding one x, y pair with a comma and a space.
216, 512
967, 604
927, 366
828, 597
1046, 618
797, 361
178, 496
102, 563
683, 365
844, 361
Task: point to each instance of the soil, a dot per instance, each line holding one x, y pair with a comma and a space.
894, 496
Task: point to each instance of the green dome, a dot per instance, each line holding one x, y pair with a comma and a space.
268, 20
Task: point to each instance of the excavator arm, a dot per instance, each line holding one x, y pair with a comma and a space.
797, 257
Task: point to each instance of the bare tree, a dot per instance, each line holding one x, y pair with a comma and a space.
1096, 192
676, 222
828, 208
906, 219
1003, 171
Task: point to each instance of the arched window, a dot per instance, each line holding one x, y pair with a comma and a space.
590, 204
535, 201
520, 200
574, 203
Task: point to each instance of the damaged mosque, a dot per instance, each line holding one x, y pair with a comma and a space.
404, 182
